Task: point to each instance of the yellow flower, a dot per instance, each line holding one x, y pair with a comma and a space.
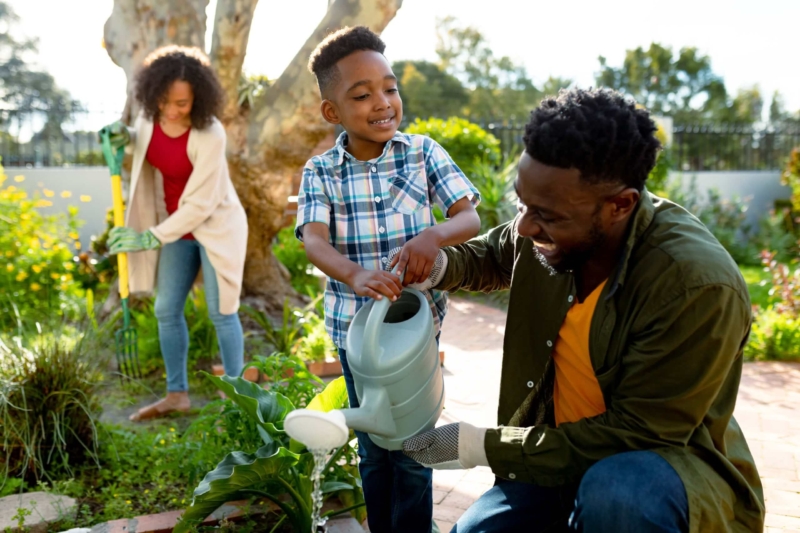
54, 275
146, 491
21, 276
48, 193
163, 441
36, 268
11, 188
68, 277
44, 203
34, 243
10, 253
172, 429
65, 194
10, 267
128, 502
19, 179
86, 198
35, 287
77, 245
73, 235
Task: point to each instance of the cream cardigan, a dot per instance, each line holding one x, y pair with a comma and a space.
208, 208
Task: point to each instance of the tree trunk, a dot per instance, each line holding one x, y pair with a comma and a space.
268, 144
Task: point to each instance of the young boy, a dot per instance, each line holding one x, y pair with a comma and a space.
369, 195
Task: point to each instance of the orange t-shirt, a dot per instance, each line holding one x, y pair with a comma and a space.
577, 393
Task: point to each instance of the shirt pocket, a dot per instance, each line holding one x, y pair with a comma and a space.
408, 192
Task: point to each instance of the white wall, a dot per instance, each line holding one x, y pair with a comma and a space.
91, 182
759, 189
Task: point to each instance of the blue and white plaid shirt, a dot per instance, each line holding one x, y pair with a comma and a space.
375, 206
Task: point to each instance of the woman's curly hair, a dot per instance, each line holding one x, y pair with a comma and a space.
598, 131
179, 63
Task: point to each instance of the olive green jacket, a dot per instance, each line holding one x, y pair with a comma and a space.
666, 345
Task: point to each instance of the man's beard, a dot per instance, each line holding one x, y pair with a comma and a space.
575, 258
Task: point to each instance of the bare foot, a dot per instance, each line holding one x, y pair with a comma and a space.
174, 402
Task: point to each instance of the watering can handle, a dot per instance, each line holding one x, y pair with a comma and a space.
370, 351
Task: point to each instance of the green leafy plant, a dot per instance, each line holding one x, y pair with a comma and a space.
467, 143
292, 254
280, 470
48, 406
282, 338
496, 187
289, 376
316, 344
36, 279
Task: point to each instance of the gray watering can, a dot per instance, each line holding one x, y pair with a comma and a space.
394, 359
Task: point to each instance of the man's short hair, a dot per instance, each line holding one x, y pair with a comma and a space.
336, 47
600, 132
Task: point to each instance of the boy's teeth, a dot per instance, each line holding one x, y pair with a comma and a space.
382, 121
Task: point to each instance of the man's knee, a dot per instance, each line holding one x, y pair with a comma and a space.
630, 488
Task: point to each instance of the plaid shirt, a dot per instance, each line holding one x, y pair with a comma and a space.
375, 206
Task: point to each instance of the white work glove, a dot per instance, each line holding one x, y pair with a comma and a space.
434, 278
450, 447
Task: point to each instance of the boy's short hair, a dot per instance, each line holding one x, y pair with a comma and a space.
336, 47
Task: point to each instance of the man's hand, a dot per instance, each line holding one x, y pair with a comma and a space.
124, 239
417, 257
376, 284
449, 447
118, 134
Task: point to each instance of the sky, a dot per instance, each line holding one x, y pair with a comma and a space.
750, 42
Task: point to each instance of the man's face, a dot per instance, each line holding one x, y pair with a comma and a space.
365, 100
565, 217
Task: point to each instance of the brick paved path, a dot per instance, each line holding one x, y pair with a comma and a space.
768, 411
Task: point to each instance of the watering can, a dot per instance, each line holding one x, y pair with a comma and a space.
394, 359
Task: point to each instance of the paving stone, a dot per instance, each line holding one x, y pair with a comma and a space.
44, 507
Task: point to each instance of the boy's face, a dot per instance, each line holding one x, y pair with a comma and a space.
365, 100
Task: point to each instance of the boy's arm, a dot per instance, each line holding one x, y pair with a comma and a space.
371, 283
419, 254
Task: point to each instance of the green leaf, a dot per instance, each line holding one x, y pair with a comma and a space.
350, 498
333, 486
266, 407
238, 472
334, 396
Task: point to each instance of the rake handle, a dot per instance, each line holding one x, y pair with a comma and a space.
119, 221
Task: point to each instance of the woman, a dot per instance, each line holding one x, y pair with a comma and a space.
183, 212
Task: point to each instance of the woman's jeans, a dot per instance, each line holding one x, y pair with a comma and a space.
177, 269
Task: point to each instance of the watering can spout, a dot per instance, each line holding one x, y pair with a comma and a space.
376, 414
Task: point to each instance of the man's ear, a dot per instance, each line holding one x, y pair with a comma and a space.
623, 203
329, 112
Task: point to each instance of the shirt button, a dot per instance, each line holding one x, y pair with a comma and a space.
381, 230
377, 199
384, 260
374, 169
530, 384
570, 299
512, 475
549, 343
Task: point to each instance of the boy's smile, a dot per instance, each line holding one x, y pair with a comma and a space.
366, 102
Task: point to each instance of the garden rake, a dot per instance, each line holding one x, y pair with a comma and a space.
126, 339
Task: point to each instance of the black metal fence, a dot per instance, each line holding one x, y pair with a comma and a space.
30, 140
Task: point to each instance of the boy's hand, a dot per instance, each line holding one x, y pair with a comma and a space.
417, 257
377, 284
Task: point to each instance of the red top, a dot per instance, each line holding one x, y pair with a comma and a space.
168, 154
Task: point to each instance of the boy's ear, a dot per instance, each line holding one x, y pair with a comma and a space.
329, 112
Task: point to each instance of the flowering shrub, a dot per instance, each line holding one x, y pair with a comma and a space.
36, 276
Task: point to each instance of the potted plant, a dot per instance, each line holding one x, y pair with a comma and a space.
317, 349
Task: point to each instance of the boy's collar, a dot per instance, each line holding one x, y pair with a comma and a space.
341, 144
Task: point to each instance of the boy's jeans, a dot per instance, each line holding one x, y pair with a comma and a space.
178, 265
398, 490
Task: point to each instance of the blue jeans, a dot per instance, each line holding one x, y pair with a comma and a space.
629, 492
398, 490
178, 265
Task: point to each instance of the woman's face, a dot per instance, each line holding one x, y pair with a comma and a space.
176, 105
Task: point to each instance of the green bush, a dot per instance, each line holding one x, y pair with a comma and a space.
467, 143
292, 254
774, 336
36, 279
48, 406
496, 187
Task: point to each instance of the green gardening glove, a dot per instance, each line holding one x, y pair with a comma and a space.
129, 240
119, 136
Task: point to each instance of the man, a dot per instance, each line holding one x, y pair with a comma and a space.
623, 348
